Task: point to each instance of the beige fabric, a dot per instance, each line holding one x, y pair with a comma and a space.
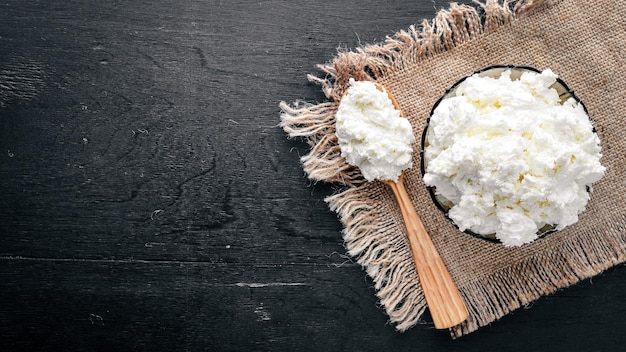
582, 41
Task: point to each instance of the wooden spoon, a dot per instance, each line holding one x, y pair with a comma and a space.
442, 296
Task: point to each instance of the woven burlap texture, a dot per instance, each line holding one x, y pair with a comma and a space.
582, 41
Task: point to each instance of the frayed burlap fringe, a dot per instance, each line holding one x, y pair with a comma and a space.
385, 256
450, 28
372, 226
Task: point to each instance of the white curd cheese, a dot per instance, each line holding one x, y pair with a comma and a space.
372, 134
511, 157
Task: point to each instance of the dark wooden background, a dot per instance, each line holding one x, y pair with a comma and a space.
148, 200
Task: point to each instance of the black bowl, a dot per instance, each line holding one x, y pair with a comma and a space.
490, 71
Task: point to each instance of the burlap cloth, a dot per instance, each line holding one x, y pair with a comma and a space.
584, 42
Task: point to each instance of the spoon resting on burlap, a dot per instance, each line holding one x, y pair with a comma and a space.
444, 301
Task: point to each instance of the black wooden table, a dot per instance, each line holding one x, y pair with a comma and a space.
150, 202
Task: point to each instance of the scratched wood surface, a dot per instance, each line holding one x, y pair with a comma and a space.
148, 200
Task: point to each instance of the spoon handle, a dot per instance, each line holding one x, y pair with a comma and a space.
442, 296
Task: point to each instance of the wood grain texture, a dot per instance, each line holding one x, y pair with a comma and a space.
150, 202
445, 304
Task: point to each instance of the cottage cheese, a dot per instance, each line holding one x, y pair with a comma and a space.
372, 134
510, 157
